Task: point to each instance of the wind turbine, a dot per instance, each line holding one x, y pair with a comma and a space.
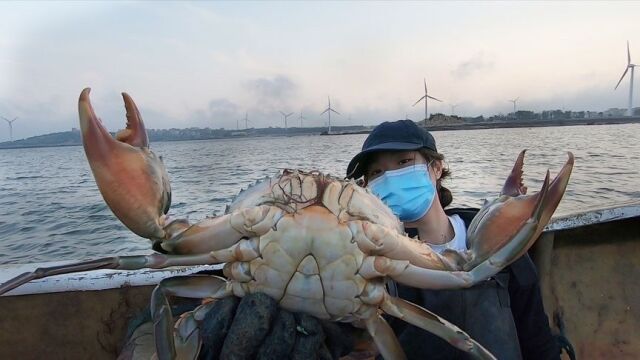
246, 120
514, 101
301, 118
629, 66
329, 110
453, 108
285, 119
10, 122
426, 98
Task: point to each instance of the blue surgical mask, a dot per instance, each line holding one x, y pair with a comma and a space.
409, 191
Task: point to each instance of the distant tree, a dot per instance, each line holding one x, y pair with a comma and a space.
525, 115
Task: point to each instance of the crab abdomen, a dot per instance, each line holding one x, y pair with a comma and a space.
308, 266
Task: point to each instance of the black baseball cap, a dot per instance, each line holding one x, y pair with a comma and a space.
390, 136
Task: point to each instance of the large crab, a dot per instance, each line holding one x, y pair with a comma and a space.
315, 243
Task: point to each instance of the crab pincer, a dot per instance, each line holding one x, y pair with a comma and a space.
131, 178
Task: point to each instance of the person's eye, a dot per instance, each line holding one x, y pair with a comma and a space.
405, 161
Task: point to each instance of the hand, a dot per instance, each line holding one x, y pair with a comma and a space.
254, 327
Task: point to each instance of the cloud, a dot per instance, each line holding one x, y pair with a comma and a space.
277, 89
476, 64
220, 112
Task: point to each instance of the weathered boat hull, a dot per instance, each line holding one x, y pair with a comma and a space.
76, 316
589, 278
588, 263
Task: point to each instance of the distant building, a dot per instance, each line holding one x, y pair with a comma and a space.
578, 114
614, 112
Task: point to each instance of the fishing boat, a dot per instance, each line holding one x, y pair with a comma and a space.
588, 263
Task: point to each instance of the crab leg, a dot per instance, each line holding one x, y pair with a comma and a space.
373, 239
187, 334
412, 275
222, 232
406, 260
135, 262
424, 319
384, 338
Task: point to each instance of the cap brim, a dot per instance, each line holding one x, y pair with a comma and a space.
357, 165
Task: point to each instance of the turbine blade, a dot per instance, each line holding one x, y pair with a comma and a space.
621, 77
322, 113
335, 111
628, 54
425, 86
431, 97
416, 103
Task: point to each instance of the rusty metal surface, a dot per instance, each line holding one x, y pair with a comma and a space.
592, 285
71, 325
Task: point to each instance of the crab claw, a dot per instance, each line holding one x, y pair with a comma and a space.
506, 227
132, 179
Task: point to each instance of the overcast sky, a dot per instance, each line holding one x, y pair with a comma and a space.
206, 64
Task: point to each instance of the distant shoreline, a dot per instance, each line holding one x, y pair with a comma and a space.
519, 124
538, 123
72, 138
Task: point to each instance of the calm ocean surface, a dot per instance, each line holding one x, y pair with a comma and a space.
51, 209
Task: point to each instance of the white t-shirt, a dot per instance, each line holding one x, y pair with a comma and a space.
459, 241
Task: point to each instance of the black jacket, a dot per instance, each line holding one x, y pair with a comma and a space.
504, 314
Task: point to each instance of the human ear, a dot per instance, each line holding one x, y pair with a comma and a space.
437, 168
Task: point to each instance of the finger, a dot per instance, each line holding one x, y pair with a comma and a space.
309, 337
279, 343
250, 326
215, 326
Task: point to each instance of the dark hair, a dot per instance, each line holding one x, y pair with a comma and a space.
444, 194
